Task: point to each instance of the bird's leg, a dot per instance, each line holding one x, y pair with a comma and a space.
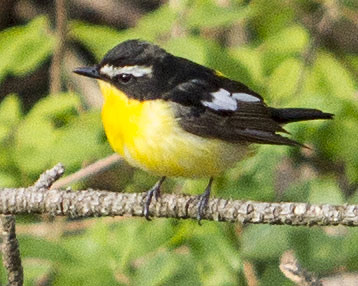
203, 200
153, 191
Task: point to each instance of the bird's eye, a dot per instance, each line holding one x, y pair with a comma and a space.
124, 77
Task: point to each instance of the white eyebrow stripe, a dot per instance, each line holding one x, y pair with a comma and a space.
245, 97
136, 70
222, 100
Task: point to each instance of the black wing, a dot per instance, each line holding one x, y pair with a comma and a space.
224, 109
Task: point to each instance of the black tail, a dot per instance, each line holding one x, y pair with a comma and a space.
288, 115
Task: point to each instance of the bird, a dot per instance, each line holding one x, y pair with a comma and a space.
173, 117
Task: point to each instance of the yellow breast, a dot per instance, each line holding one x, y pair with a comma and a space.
148, 136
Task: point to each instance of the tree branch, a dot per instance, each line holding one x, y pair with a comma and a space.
88, 171
60, 33
10, 251
293, 270
90, 203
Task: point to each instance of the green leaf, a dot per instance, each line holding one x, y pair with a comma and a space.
344, 126
350, 248
219, 267
10, 115
271, 17
291, 40
254, 177
192, 48
207, 14
287, 43
317, 250
132, 244
284, 81
298, 191
10, 110
325, 191
273, 276
7, 180
169, 268
52, 108
352, 59
330, 138
95, 257
31, 247
332, 78
36, 271
100, 39
8, 39
37, 135
155, 24
79, 141
251, 62
24, 48
265, 242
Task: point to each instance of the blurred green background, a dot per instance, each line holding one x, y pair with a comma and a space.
295, 53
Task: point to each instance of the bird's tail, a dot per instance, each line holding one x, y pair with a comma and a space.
288, 115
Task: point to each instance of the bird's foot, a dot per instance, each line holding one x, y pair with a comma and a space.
202, 204
155, 191
203, 201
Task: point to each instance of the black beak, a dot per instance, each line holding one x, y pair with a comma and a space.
88, 71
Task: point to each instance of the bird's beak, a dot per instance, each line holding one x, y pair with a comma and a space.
88, 71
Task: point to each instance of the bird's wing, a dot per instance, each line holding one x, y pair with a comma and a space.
227, 110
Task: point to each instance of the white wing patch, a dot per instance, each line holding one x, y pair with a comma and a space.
222, 100
136, 71
245, 97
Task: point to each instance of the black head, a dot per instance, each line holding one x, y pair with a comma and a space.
133, 52
138, 68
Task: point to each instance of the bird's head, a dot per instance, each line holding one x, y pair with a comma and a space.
135, 67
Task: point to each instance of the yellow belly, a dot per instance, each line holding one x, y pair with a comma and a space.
148, 136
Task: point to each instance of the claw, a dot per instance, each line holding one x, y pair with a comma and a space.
203, 201
155, 191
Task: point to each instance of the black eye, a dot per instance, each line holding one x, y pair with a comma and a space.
124, 77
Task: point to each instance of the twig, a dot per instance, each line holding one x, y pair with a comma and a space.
49, 177
250, 275
61, 29
93, 203
10, 251
341, 279
95, 168
293, 271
